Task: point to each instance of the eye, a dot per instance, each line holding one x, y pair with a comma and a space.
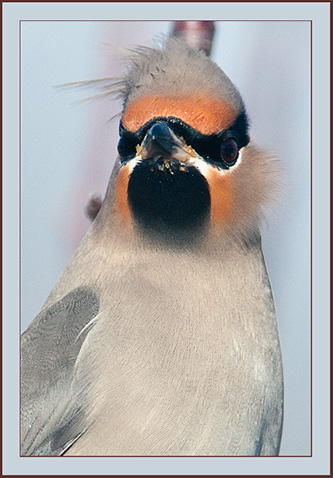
229, 151
126, 148
122, 147
127, 144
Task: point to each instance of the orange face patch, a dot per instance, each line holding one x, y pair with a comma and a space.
122, 207
204, 113
221, 196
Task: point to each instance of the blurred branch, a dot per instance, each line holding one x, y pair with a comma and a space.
198, 35
93, 205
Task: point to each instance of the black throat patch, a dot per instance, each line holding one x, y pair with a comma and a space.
168, 197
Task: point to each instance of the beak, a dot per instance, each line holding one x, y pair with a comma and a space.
161, 141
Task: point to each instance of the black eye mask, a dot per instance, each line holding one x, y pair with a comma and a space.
208, 147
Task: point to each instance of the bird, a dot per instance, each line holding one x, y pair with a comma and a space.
160, 337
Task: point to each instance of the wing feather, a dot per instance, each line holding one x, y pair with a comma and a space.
50, 418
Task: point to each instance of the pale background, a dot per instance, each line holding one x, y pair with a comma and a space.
68, 151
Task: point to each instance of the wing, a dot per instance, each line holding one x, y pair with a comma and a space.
51, 418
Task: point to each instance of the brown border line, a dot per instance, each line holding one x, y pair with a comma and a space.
1, 330
311, 243
331, 249
175, 2
20, 223
165, 21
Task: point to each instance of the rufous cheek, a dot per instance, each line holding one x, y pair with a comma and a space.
122, 207
221, 196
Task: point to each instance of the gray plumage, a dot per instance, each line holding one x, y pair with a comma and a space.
152, 347
157, 71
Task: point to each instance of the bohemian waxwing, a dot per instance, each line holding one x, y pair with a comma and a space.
160, 337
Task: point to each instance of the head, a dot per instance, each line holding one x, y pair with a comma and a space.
186, 163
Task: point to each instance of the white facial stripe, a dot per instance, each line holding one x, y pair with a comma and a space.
200, 164
204, 167
196, 161
133, 162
